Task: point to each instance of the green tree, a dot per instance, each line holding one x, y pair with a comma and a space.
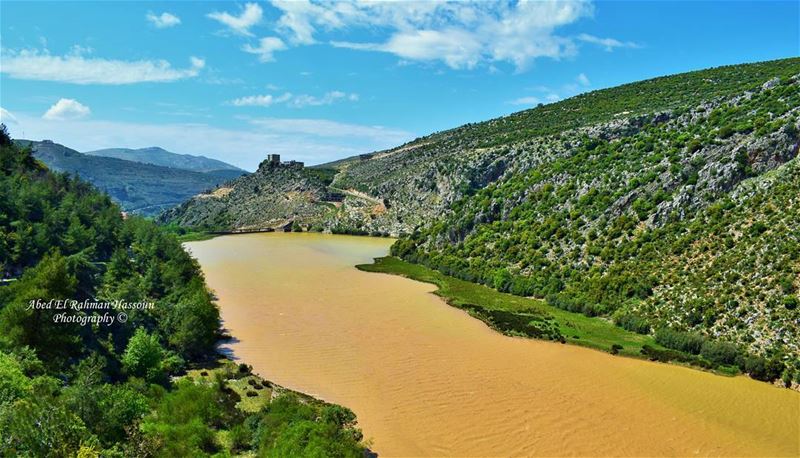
21, 324
143, 357
13, 382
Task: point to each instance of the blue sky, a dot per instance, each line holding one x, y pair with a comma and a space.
317, 81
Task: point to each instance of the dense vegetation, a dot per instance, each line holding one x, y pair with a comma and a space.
71, 384
138, 187
687, 222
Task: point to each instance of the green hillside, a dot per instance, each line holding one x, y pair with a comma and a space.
686, 220
673, 92
81, 386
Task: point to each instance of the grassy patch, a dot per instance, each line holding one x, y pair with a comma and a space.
196, 236
515, 315
241, 382
186, 234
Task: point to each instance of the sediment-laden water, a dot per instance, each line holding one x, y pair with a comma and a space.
426, 379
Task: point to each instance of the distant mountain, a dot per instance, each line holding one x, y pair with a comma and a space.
139, 188
159, 156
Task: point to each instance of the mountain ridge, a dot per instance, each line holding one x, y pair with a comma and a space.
159, 156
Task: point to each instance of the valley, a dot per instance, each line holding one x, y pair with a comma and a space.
667, 206
367, 229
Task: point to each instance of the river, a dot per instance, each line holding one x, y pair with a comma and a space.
426, 379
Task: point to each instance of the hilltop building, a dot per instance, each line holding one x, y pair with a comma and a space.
274, 160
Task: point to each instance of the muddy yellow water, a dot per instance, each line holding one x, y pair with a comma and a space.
426, 379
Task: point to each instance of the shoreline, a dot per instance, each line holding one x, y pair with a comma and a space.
380, 265
604, 338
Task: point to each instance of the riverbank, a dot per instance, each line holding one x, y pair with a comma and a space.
250, 416
511, 314
534, 318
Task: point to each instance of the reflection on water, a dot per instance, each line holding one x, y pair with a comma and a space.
426, 379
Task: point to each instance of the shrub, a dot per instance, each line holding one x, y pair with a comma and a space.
682, 341
633, 323
13, 382
763, 369
719, 352
144, 356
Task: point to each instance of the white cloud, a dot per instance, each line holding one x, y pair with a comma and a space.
297, 19
457, 48
305, 100
163, 21
531, 100
311, 140
66, 109
260, 100
330, 129
608, 43
265, 49
549, 95
294, 101
459, 34
249, 16
6, 117
77, 69
534, 100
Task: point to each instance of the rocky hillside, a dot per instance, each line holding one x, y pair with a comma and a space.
273, 197
670, 203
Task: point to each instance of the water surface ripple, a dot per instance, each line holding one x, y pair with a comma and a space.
426, 379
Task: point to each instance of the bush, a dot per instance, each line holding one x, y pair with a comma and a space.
666, 356
762, 369
143, 357
720, 352
682, 341
633, 323
13, 382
